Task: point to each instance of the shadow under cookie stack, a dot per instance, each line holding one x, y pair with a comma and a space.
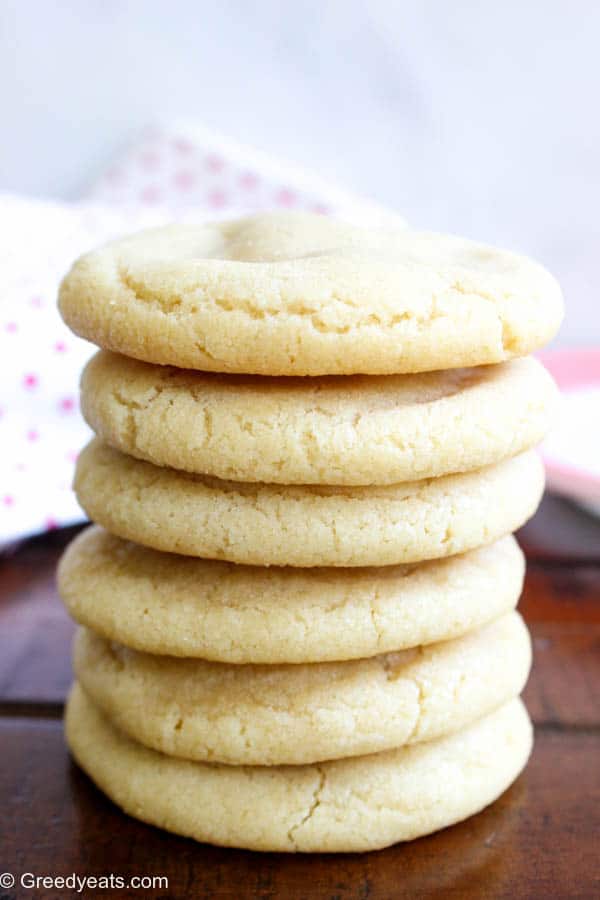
297, 607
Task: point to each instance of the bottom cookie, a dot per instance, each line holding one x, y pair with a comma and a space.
358, 804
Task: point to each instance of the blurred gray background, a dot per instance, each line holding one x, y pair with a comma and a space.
476, 118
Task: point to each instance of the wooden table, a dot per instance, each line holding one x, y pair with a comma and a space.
541, 840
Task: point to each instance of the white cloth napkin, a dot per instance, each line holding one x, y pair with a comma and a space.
184, 173
181, 172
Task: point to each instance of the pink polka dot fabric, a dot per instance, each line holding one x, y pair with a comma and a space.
182, 173
187, 165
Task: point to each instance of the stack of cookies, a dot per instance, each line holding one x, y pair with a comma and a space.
298, 604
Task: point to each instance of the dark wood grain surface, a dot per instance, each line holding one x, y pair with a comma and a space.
540, 840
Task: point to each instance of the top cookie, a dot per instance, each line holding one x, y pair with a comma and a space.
301, 294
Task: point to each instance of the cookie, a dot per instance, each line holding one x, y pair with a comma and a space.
363, 803
197, 515
356, 430
167, 604
295, 714
301, 294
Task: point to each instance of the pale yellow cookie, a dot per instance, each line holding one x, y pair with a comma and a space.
301, 294
167, 604
357, 430
310, 525
363, 803
293, 714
